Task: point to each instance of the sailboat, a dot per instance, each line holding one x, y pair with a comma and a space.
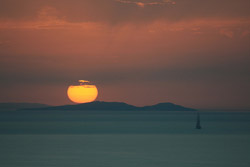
198, 125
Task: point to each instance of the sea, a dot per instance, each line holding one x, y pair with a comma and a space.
124, 139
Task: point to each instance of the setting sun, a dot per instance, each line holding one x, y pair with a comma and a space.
83, 93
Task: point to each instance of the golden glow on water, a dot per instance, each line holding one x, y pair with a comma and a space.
82, 93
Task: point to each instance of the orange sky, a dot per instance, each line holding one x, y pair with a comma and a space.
193, 53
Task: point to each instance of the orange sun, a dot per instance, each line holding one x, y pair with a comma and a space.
83, 93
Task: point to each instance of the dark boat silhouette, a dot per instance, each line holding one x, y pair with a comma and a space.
198, 124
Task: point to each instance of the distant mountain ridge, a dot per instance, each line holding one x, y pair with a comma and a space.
100, 105
167, 107
97, 105
16, 106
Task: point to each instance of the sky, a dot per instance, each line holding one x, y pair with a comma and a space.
190, 52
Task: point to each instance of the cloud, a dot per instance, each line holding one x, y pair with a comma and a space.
48, 13
4, 43
150, 3
46, 18
227, 33
245, 33
126, 11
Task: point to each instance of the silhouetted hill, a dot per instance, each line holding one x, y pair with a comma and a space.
98, 105
167, 107
17, 106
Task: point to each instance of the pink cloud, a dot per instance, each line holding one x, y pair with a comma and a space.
143, 4
245, 33
227, 33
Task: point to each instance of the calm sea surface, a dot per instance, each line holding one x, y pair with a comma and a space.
123, 139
